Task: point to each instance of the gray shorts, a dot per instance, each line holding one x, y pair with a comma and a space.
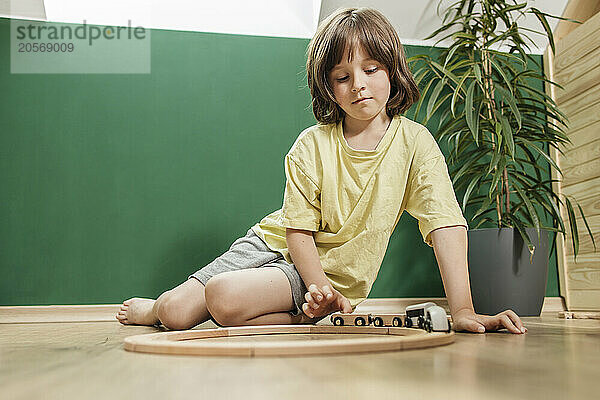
251, 251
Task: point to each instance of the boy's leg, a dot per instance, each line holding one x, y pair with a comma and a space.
256, 296
182, 307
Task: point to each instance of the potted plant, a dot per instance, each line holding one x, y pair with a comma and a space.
495, 122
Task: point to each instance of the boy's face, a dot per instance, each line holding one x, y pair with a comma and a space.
363, 78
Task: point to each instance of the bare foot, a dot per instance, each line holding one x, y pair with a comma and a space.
137, 311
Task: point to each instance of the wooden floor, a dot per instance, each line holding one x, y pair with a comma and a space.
556, 359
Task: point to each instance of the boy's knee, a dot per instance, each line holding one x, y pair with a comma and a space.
172, 313
222, 302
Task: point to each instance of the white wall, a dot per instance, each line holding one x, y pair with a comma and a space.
24, 9
287, 18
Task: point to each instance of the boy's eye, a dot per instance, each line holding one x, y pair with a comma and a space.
369, 71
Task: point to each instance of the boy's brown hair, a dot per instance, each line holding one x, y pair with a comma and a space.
350, 28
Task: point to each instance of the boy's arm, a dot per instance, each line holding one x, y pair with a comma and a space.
302, 248
450, 247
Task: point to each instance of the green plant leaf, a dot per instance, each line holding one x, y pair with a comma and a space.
508, 136
421, 98
452, 126
551, 161
498, 137
437, 105
457, 90
477, 71
464, 35
501, 72
497, 176
532, 158
445, 72
420, 75
508, 9
540, 200
534, 91
484, 207
434, 96
447, 26
573, 226
496, 157
503, 54
451, 53
468, 163
541, 195
497, 38
521, 228
542, 111
557, 214
542, 18
482, 222
470, 112
586, 225
509, 98
474, 182
530, 208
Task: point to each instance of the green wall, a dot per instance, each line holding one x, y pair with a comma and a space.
118, 185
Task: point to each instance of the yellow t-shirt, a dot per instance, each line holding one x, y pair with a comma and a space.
352, 199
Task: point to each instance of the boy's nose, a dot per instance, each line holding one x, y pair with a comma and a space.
358, 86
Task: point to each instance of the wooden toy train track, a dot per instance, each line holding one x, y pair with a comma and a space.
222, 342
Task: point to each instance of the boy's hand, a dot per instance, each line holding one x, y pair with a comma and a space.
324, 301
467, 320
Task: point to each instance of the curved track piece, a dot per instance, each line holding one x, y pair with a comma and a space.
190, 342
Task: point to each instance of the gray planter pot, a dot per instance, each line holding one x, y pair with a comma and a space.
501, 274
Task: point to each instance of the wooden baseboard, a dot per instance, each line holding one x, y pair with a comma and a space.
107, 312
58, 313
554, 305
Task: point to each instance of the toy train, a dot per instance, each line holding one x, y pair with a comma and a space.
427, 316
